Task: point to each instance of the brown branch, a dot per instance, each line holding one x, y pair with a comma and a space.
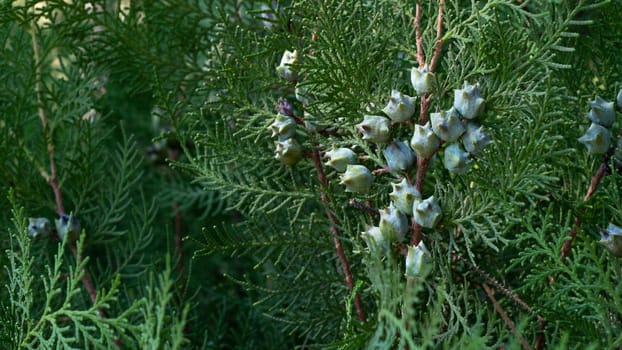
439, 37
418, 37
504, 316
179, 239
603, 170
334, 229
87, 282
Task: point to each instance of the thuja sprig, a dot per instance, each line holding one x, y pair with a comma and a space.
289, 152
87, 281
598, 140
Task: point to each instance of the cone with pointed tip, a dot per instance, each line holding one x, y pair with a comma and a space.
422, 79
376, 240
339, 158
415, 259
602, 112
447, 125
597, 139
427, 212
424, 140
456, 160
400, 107
283, 127
284, 69
475, 139
39, 227
288, 152
374, 128
399, 156
468, 101
67, 226
393, 224
357, 178
611, 239
403, 196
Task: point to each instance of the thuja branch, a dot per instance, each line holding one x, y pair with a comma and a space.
603, 170
422, 162
491, 295
53, 176
334, 229
489, 279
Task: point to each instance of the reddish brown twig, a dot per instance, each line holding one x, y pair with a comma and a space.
87, 282
418, 38
334, 229
439, 37
504, 316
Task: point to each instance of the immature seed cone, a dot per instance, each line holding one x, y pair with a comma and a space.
422, 79
283, 127
393, 224
284, 69
288, 152
427, 212
67, 226
475, 139
447, 125
456, 160
339, 158
602, 112
39, 227
597, 139
374, 128
399, 156
400, 107
415, 259
357, 178
468, 101
611, 239
376, 240
403, 196
424, 140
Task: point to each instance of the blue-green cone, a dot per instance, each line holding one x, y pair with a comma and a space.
283, 127
456, 160
602, 112
611, 238
288, 152
376, 240
339, 158
415, 259
447, 125
284, 69
357, 178
427, 212
403, 196
393, 224
424, 141
39, 227
399, 156
400, 107
374, 128
421, 79
597, 139
468, 101
67, 226
475, 139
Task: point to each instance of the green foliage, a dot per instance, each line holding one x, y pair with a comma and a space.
150, 120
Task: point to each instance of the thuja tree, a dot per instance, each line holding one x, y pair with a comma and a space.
359, 174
